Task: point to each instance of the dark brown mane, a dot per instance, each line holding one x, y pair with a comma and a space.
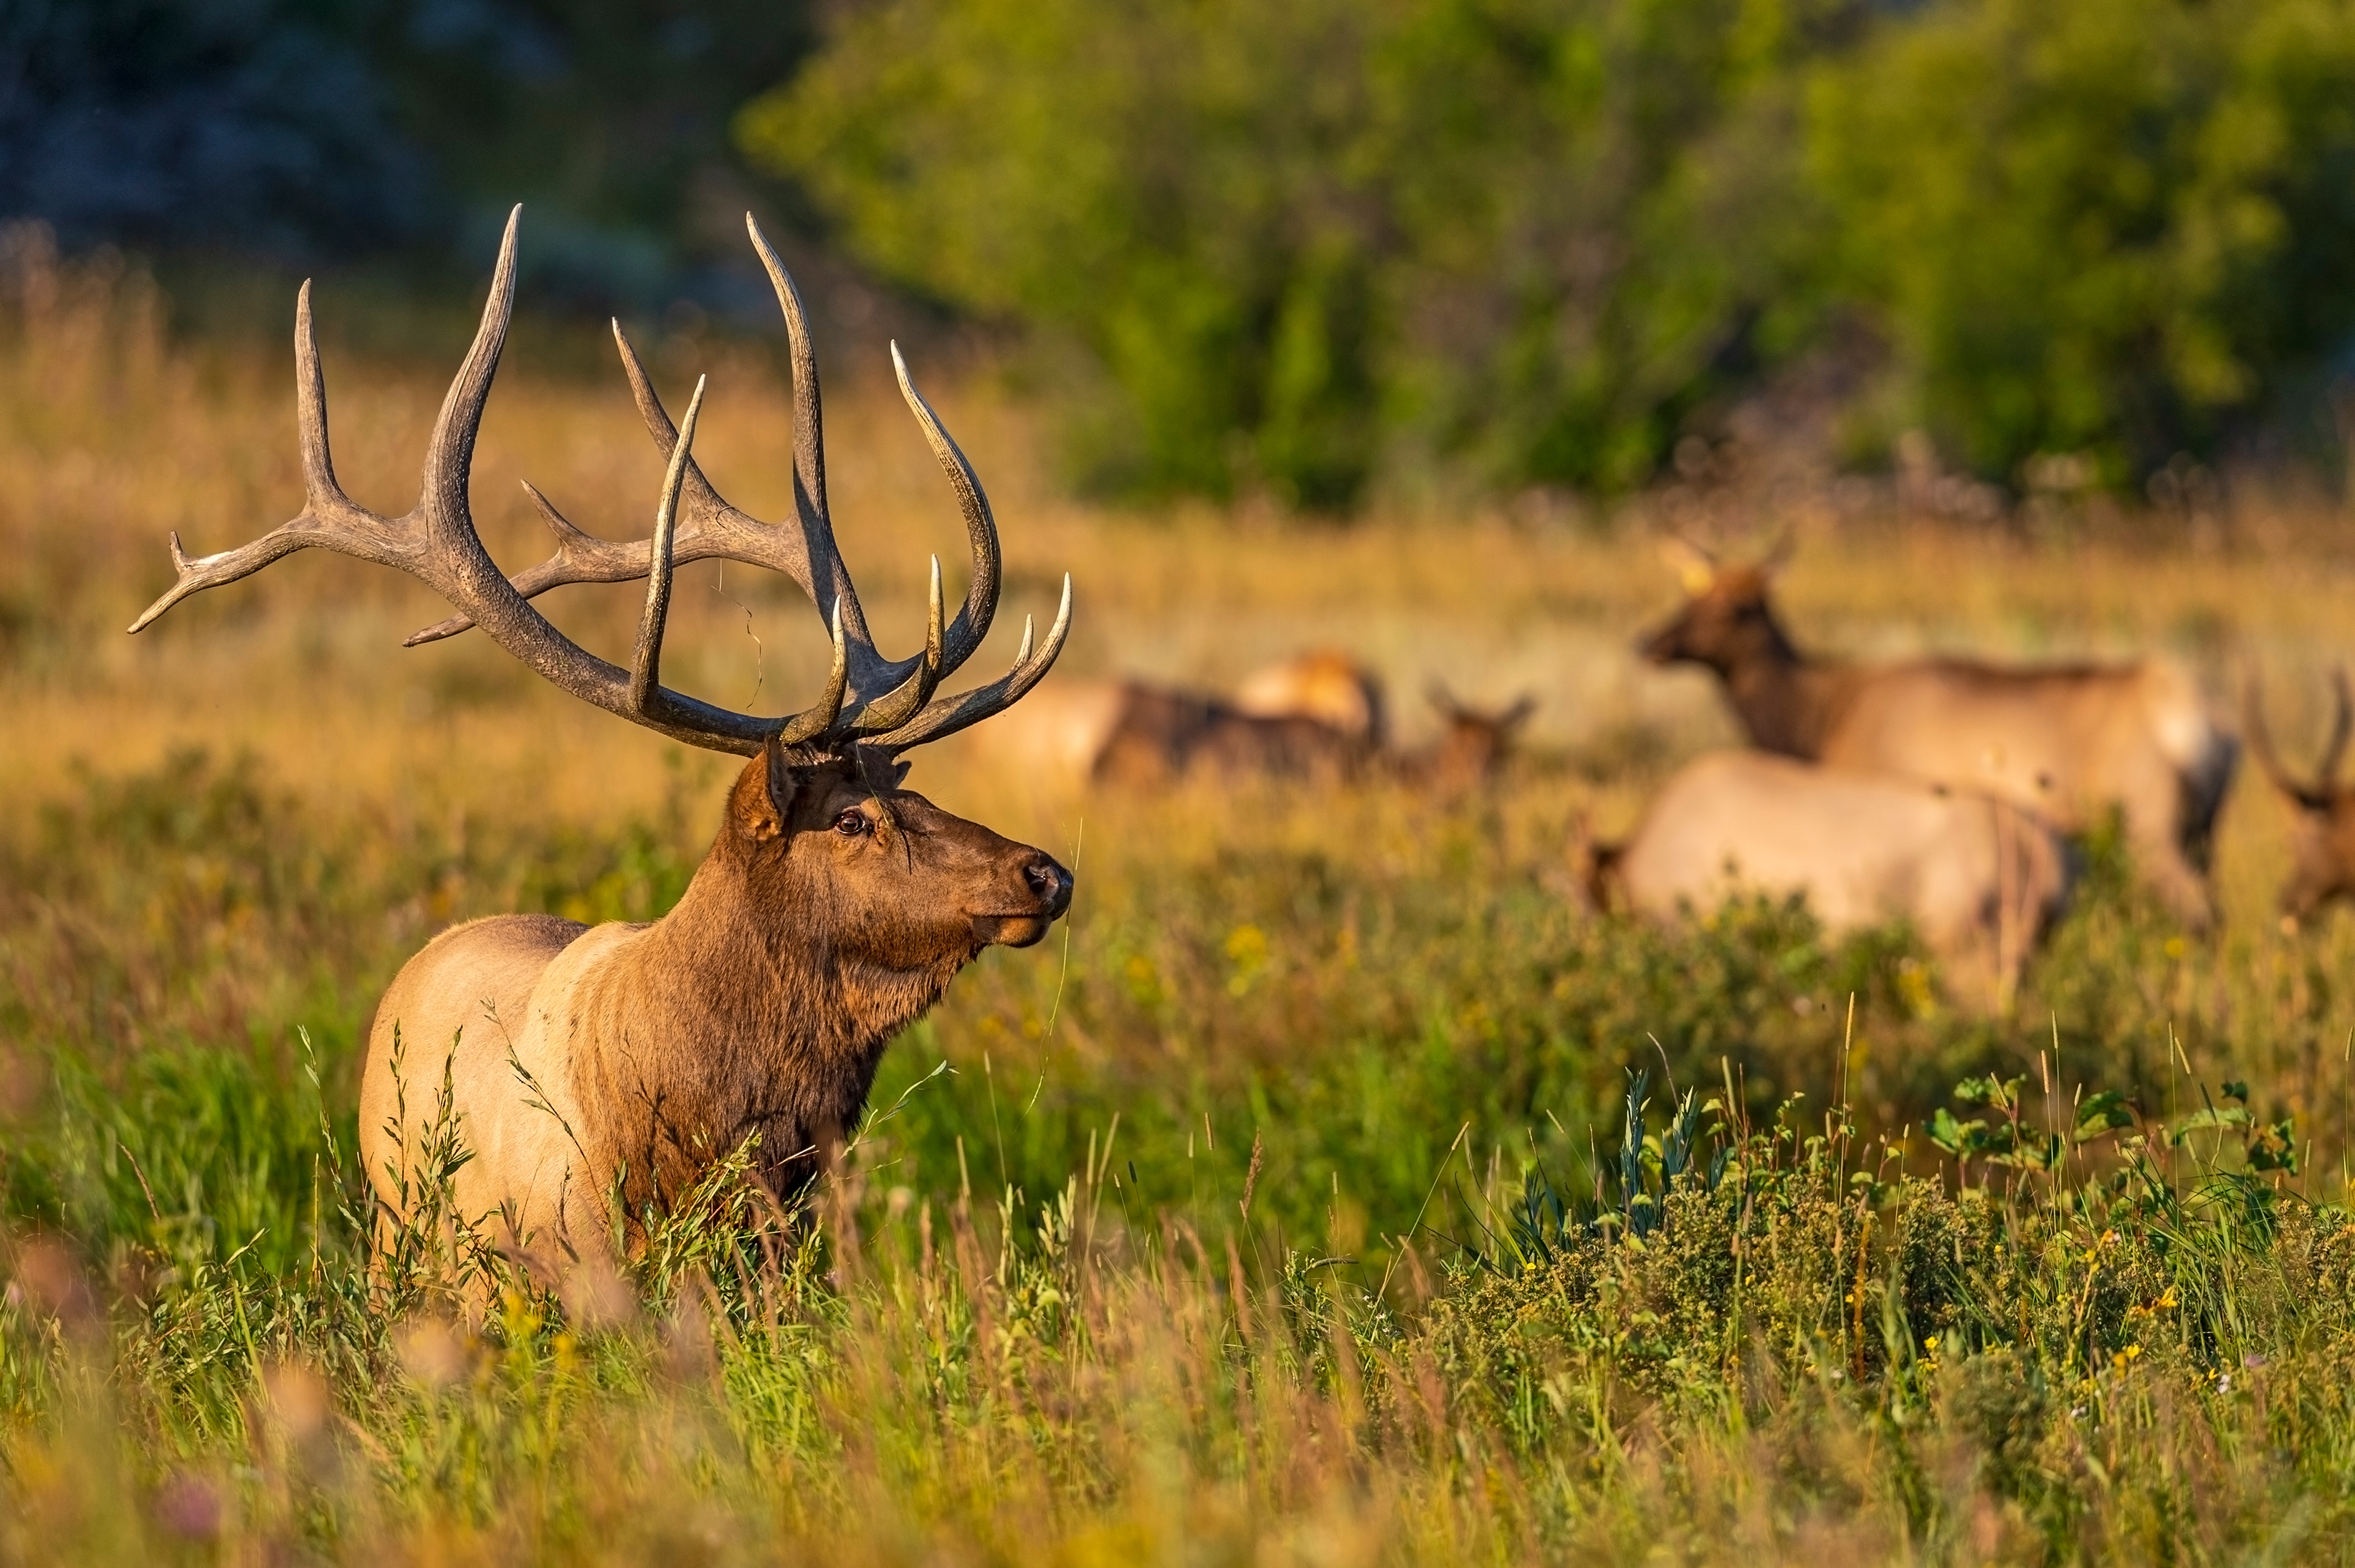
763, 1003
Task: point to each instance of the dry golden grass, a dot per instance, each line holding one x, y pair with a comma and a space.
113, 436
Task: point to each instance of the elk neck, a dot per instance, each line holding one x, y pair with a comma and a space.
751, 1010
1786, 700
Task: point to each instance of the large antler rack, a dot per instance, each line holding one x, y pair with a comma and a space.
869, 700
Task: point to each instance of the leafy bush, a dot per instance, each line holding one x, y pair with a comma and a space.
2109, 229
1281, 236
1279, 246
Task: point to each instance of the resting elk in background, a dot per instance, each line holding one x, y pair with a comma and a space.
1317, 717
1978, 878
1159, 735
2322, 840
620, 1063
1323, 684
2068, 742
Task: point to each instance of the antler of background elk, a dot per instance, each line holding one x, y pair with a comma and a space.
869, 700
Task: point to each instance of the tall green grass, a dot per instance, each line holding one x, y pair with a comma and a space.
1301, 1207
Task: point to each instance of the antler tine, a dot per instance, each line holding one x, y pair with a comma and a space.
947, 714
329, 519
874, 674
649, 699
972, 625
809, 434
645, 669
2342, 725
815, 723
580, 557
2261, 745
965, 634
889, 712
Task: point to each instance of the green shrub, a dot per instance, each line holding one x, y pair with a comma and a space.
2110, 229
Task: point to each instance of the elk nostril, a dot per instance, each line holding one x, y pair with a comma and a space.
1047, 879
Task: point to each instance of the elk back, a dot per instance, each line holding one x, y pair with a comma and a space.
1979, 879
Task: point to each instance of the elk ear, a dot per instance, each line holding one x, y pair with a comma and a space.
1694, 566
764, 798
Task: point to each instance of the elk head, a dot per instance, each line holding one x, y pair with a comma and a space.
1727, 621
2322, 841
1476, 742
899, 882
820, 805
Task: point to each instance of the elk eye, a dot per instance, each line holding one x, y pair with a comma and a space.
851, 823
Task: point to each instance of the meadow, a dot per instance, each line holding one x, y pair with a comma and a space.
1330, 1189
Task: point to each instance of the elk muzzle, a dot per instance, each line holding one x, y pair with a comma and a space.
1042, 885
1666, 643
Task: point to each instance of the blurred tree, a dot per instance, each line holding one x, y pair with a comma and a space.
2110, 226
611, 117
257, 124
1280, 245
1289, 236
294, 126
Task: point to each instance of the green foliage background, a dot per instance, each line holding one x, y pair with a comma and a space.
1292, 247
1314, 250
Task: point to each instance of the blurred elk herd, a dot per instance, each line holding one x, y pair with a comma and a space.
1949, 794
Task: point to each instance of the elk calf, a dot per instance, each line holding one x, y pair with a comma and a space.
596, 1069
2068, 742
1978, 878
2322, 837
1471, 750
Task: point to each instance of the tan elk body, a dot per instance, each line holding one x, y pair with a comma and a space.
1978, 878
2069, 743
2322, 831
595, 1073
1323, 684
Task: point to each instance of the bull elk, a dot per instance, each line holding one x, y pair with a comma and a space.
1978, 878
591, 1068
2068, 742
2322, 839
